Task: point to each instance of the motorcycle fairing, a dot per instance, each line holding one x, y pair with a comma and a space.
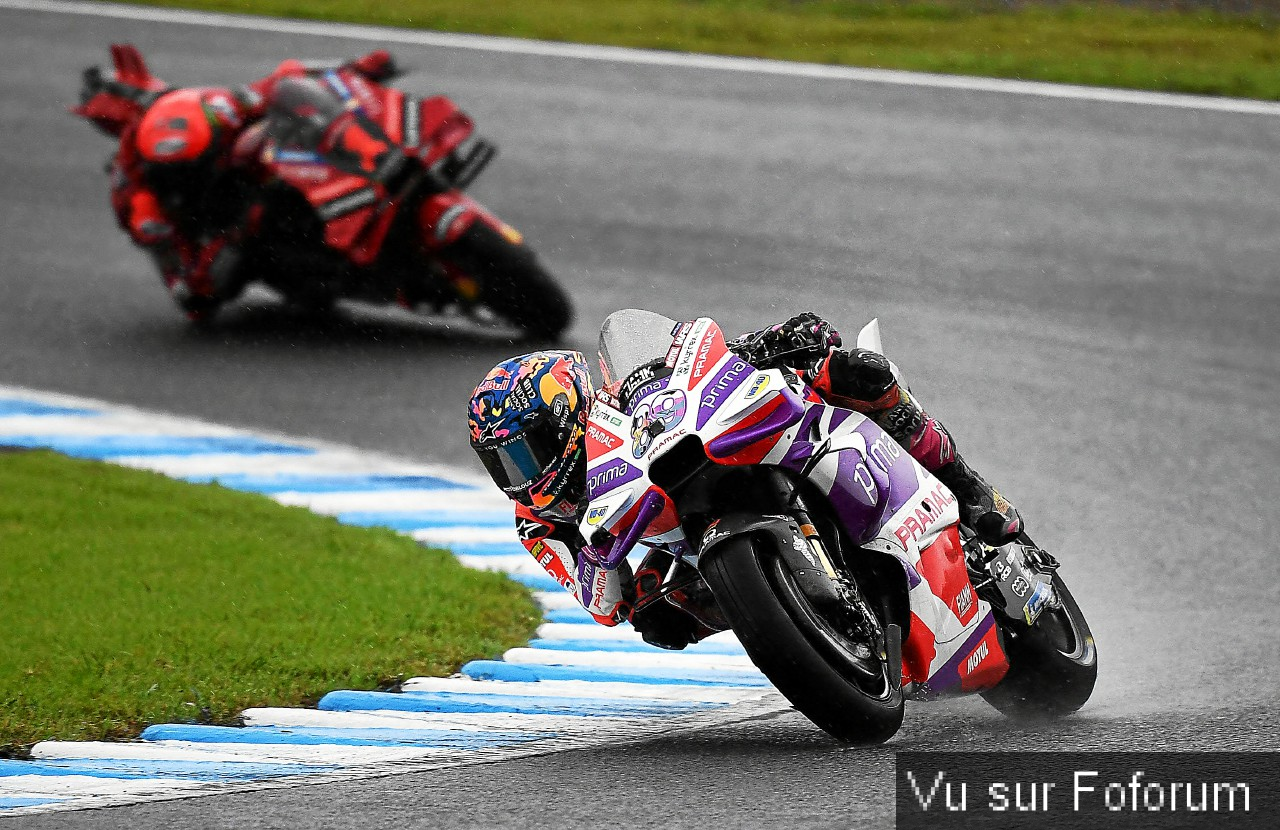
885, 499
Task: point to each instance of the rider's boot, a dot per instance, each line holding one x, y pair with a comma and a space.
863, 380
982, 508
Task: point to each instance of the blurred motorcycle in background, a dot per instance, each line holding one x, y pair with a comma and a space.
320, 182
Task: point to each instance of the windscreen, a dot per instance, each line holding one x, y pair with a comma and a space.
300, 110
630, 338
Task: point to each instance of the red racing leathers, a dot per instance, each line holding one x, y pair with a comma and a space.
194, 220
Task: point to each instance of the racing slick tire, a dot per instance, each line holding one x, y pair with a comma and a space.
513, 282
797, 647
1053, 664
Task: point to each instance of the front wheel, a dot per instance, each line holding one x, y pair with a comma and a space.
836, 681
513, 282
1053, 664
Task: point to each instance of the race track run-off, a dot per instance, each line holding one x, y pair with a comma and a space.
577, 684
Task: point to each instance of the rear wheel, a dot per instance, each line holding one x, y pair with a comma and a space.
1053, 664
835, 680
513, 283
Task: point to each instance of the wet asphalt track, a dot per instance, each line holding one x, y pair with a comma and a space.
1086, 293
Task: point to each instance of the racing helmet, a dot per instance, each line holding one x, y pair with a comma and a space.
528, 420
181, 135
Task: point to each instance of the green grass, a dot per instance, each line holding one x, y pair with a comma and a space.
128, 599
1105, 44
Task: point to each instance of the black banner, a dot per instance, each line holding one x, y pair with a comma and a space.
941, 790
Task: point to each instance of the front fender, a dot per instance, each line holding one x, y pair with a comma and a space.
783, 532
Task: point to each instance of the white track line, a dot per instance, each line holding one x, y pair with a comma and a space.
650, 57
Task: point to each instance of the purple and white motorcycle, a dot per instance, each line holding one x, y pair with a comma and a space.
838, 561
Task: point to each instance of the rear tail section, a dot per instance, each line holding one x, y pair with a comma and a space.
114, 103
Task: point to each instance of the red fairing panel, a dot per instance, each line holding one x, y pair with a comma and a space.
446, 216
979, 664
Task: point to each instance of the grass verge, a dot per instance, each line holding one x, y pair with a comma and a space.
129, 599
1110, 44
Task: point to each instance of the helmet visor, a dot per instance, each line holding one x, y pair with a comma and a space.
518, 462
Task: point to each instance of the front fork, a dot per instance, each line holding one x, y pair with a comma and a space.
849, 602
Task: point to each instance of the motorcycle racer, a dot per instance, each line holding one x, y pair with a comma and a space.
184, 176
528, 424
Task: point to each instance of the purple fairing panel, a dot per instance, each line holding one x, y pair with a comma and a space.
861, 512
947, 677
732, 375
899, 471
611, 476
650, 508
787, 413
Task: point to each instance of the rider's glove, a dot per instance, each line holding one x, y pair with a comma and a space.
600, 588
378, 65
799, 341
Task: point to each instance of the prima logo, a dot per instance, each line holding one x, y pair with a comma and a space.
711, 398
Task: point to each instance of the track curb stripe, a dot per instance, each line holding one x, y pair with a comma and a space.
578, 684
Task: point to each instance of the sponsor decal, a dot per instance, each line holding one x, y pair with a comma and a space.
917, 524
1021, 586
760, 382
884, 452
712, 534
716, 391
610, 476
553, 557
1041, 597
678, 334
602, 409
684, 365
522, 396
654, 417
543, 554
635, 380
596, 515
528, 529
595, 593
805, 551
731, 372
710, 350
499, 378
666, 440
964, 601
648, 389
600, 441
864, 478
975, 658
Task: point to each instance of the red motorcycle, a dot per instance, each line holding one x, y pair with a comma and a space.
363, 187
